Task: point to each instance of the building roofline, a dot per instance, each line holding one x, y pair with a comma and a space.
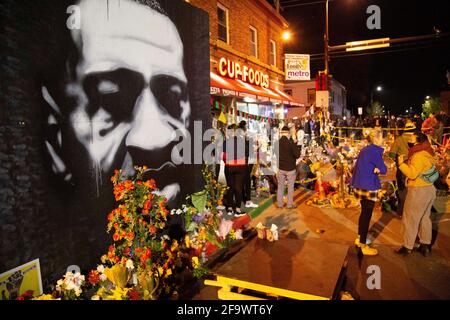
273, 11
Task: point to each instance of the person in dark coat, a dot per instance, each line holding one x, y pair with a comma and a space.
288, 153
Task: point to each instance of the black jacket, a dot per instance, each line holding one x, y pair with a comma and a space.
288, 154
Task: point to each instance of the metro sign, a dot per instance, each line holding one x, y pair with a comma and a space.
234, 70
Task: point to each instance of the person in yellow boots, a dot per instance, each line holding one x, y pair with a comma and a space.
366, 186
421, 173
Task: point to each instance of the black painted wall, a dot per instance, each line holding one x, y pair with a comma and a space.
40, 218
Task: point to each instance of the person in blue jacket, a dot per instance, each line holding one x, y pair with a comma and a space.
366, 185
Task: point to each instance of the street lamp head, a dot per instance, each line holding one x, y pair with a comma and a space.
428, 97
286, 35
379, 88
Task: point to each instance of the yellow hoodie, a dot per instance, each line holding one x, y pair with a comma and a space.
419, 163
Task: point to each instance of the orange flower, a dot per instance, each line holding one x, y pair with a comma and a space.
116, 237
130, 236
115, 177
152, 229
94, 277
147, 204
151, 184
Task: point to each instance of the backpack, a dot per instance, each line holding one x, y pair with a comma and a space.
431, 175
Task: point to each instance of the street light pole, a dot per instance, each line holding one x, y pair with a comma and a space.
326, 38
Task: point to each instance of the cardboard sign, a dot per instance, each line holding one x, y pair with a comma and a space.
17, 281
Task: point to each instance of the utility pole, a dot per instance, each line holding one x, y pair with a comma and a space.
326, 38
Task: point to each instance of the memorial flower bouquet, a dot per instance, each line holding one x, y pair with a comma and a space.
142, 262
207, 230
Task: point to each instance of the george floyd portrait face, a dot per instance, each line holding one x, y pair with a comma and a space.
123, 97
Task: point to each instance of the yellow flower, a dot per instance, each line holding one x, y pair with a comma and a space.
168, 272
117, 275
118, 294
45, 297
195, 262
187, 241
174, 245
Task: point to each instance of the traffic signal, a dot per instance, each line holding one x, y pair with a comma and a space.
322, 81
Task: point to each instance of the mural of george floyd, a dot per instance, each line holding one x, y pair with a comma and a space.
86, 88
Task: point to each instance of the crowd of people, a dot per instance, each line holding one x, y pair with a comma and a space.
415, 142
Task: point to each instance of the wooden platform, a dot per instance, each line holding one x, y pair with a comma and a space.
288, 268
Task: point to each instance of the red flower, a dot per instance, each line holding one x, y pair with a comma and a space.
146, 256
94, 277
134, 294
116, 237
27, 295
126, 251
111, 248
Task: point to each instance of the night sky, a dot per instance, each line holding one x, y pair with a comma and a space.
407, 76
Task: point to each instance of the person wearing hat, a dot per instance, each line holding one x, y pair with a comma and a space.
288, 153
400, 148
421, 173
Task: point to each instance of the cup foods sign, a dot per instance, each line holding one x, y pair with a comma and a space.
235, 70
297, 67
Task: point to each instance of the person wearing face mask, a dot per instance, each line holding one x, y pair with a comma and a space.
366, 185
421, 173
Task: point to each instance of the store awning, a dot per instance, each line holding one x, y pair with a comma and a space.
237, 88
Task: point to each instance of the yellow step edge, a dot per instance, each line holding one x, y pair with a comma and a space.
267, 289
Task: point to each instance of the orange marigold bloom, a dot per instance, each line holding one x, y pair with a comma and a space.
94, 277
116, 237
151, 184
152, 229
130, 236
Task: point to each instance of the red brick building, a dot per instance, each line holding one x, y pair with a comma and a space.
246, 55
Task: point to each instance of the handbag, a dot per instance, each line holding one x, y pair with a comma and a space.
431, 175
